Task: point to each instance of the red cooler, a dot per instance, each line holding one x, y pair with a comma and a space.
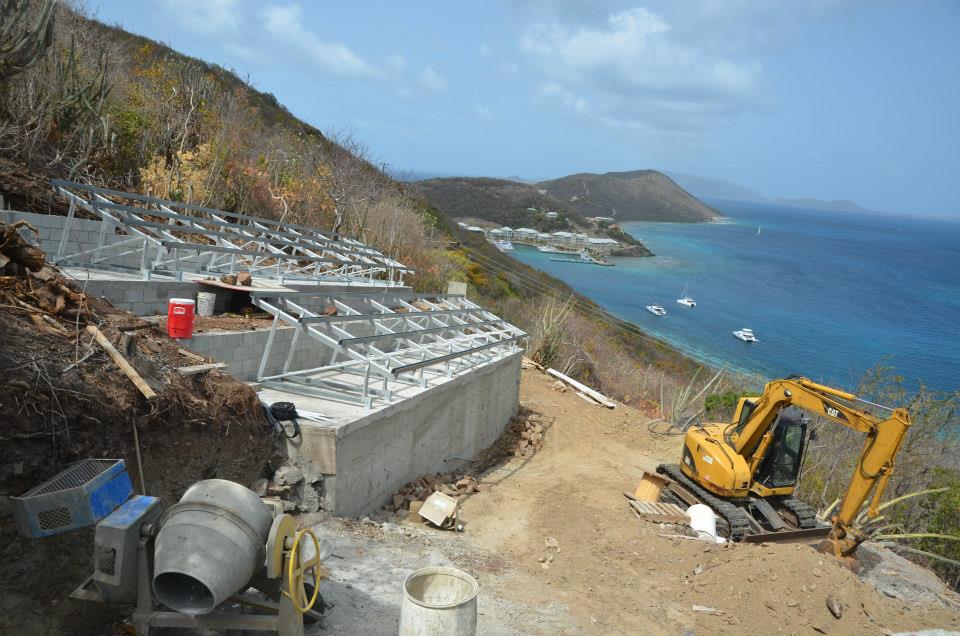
180, 318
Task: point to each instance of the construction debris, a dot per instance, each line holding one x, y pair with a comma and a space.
121, 362
201, 368
297, 484
583, 388
440, 510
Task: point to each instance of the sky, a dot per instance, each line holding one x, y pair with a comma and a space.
833, 99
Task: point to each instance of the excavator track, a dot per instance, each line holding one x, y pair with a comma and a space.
734, 516
806, 515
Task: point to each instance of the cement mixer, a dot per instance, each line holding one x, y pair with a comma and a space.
196, 558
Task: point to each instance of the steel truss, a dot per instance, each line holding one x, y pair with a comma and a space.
381, 340
174, 238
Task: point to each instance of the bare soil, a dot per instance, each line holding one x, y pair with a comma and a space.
556, 550
197, 427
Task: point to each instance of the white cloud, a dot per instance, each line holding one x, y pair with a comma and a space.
397, 63
483, 113
631, 71
211, 17
284, 24
431, 80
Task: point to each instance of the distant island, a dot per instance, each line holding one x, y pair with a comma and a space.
708, 188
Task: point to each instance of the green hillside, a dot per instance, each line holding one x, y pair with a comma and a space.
639, 195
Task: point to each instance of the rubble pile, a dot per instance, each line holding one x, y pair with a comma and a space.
454, 485
296, 483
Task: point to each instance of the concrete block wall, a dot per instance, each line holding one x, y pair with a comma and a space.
242, 350
379, 453
83, 234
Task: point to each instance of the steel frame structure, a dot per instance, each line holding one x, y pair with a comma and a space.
174, 238
379, 340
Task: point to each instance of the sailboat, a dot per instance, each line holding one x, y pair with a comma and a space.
684, 299
758, 230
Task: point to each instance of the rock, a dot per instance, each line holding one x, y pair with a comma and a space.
288, 475
277, 489
228, 279
245, 279
464, 483
398, 500
308, 499
834, 606
698, 570
703, 609
792, 603
259, 487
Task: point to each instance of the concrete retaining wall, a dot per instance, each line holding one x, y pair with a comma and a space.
83, 234
379, 453
242, 350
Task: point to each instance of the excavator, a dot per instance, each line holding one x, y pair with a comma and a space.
747, 470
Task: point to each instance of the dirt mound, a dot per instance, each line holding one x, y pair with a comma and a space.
63, 399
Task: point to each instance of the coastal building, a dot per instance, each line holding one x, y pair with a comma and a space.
474, 228
461, 224
552, 215
603, 245
603, 219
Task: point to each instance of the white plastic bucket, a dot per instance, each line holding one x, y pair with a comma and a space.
439, 601
205, 303
704, 521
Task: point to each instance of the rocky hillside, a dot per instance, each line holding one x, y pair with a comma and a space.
499, 201
639, 195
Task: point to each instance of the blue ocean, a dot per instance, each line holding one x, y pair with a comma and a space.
828, 294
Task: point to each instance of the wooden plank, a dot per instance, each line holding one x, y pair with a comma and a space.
191, 355
200, 368
121, 362
659, 517
688, 497
596, 395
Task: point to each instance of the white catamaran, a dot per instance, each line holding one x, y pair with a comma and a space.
745, 334
656, 310
686, 300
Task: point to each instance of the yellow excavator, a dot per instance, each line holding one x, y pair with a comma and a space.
747, 470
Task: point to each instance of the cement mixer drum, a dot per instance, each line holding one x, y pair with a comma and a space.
209, 546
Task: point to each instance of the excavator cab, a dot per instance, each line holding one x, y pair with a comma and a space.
781, 465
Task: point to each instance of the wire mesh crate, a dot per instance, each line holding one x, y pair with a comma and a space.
79, 496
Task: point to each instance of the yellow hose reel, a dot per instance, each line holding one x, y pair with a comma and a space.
297, 574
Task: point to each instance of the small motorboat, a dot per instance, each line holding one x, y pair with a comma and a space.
656, 310
504, 246
745, 334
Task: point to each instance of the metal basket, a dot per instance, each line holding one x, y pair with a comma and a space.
77, 497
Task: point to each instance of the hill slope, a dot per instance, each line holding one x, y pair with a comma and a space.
496, 200
638, 195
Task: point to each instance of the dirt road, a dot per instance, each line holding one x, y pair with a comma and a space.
556, 550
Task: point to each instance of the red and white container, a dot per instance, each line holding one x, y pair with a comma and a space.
180, 318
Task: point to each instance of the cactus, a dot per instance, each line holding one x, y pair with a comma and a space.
23, 44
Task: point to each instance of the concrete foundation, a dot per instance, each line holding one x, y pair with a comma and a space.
367, 455
364, 455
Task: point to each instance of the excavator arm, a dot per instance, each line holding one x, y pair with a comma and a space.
752, 435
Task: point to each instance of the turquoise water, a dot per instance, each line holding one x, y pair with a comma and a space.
828, 294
